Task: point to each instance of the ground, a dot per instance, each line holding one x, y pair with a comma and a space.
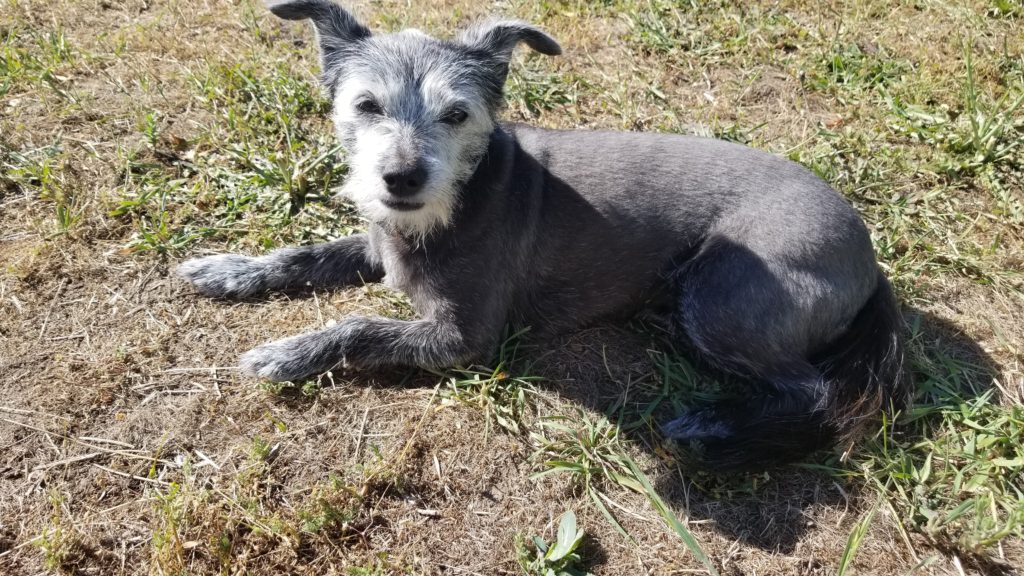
137, 133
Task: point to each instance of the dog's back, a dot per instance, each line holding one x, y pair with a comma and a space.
621, 210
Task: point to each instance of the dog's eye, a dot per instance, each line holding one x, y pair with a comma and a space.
455, 116
369, 107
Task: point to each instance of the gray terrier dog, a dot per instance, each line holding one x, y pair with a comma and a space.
768, 272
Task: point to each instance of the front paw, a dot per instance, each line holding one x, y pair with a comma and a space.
292, 358
225, 275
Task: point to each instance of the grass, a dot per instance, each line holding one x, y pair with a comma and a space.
504, 400
591, 454
983, 134
961, 480
122, 152
853, 544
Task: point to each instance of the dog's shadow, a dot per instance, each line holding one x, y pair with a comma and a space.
631, 374
623, 372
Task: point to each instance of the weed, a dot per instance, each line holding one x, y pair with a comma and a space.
150, 128
558, 558
1006, 8
53, 542
382, 565
168, 549
308, 388
995, 128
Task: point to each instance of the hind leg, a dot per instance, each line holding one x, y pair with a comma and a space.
780, 421
756, 319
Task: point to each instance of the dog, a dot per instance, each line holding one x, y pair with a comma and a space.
767, 271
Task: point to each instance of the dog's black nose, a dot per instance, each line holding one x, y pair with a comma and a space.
406, 181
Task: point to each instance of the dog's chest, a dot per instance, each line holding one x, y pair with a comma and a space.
407, 269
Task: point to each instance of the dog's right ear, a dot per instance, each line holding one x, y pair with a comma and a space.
336, 29
500, 37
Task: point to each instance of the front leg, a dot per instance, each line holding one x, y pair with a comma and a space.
359, 342
343, 262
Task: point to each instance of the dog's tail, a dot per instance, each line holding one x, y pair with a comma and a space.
864, 368
858, 375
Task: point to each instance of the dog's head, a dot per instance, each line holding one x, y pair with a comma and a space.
414, 112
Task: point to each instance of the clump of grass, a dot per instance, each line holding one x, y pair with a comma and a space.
951, 467
502, 397
533, 89
659, 27
849, 66
962, 479
308, 388
332, 507
263, 172
34, 58
985, 133
683, 385
677, 34
159, 227
39, 172
853, 542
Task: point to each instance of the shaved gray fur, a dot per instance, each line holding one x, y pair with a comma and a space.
769, 272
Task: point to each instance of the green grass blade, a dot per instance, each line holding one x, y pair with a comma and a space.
670, 518
609, 516
853, 543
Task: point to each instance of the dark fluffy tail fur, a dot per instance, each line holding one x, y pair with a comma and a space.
857, 376
864, 367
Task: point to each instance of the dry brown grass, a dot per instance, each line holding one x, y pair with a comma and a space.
129, 444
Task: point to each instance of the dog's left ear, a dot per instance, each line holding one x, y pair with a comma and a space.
499, 38
336, 30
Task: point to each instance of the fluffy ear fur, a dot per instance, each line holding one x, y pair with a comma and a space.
336, 29
494, 42
499, 38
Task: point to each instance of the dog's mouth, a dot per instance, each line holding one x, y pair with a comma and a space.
402, 205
